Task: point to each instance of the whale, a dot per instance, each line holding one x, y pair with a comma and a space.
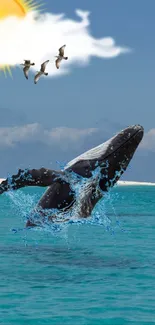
78, 187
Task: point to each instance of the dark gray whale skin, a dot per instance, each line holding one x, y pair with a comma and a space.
102, 166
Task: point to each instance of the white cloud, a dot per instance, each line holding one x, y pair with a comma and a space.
148, 141
39, 36
62, 136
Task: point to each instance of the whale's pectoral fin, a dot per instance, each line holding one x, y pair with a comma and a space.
34, 177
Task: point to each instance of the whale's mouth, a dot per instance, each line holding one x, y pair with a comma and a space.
136, 138
118, 148
118, 160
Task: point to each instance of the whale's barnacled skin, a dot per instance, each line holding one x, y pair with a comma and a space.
100, 168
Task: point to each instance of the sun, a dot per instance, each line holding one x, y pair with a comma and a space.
18, 8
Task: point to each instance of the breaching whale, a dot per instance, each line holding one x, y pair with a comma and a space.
95, 172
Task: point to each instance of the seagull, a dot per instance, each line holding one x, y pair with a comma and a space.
60, 56
41, 72
27, 64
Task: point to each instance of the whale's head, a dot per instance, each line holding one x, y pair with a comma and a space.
110, 158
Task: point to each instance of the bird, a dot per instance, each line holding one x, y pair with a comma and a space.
41, 72
27, 64
60, 57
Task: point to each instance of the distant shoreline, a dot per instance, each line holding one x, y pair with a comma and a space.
131, 183
122, 183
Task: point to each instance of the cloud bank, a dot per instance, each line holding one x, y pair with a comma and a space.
148, 141
39, 36
62, 136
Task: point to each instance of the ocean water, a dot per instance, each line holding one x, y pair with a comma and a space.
89, 274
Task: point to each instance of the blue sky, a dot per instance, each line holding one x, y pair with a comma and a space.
108, 94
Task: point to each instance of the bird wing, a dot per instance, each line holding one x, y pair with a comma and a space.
57, 63
61, 50
26, 69
43, 65
37, 77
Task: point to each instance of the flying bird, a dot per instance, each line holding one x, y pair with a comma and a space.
27, 64
60, 57
41, 72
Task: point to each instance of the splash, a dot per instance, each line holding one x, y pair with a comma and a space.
25, 206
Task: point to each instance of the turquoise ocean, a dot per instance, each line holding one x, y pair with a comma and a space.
98, 272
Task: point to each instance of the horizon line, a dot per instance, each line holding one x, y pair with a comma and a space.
119, 183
